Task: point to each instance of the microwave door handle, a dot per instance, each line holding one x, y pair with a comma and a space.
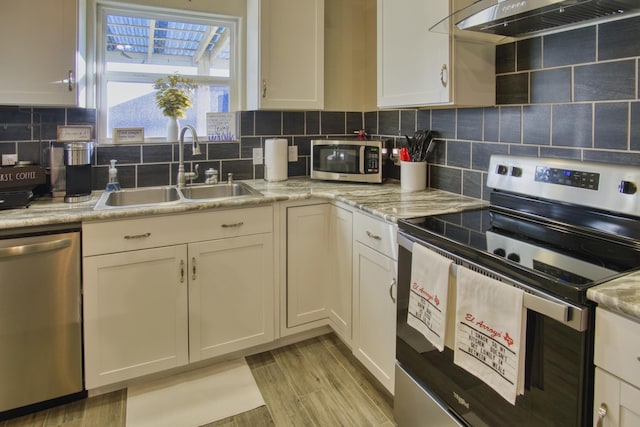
361, 159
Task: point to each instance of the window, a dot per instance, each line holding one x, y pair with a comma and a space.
137, 46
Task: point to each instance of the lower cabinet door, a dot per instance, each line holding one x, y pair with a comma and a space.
231, 295
135, 314
616, 403
374, 325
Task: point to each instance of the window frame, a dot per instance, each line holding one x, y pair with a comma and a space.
98, 77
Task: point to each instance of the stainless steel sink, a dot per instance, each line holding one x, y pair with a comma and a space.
139, 197
217, 191
150, 196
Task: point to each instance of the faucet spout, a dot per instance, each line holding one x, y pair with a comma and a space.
195, 148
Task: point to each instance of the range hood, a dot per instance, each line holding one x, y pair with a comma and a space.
516, 18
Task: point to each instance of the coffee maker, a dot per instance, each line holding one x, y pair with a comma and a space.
70, 164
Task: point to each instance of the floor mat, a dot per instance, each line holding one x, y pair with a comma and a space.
194, 398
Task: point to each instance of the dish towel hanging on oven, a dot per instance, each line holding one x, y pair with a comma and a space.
428, 294
490, 332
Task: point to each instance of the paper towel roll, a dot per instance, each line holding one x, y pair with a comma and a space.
276, 156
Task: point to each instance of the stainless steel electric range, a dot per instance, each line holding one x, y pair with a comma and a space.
553, 228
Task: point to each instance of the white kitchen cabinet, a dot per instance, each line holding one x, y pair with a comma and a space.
417, 67
285, 54
374, 297
41, 51
617, 375
340, 269
161, 292
231, 295
307, 262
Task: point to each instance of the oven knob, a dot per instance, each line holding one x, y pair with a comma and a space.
500, 252
516, 171
627, 187
513, 257
502, 170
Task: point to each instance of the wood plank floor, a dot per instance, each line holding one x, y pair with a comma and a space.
316, 382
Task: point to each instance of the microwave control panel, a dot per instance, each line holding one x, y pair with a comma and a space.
371, 159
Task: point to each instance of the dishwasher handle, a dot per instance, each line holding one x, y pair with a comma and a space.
35, 248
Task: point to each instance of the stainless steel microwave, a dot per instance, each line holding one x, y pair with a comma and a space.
346, 160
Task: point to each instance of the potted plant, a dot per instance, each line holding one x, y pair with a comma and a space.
173, 96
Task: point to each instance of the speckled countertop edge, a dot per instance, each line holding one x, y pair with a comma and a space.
386, 201
621, 295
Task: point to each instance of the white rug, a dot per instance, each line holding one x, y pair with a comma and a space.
194, 398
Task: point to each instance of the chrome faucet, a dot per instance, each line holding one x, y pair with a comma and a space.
182, 175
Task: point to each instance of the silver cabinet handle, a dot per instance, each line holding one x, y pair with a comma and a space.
264, 88
444, 75
35, 248
373, 236
70, 80
137, 236
181, 271
393, 285
236, 224
193, 269
602, 413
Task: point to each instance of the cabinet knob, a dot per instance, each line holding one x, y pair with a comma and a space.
70, 80
193, 268
181, 271
602, 413
264, 88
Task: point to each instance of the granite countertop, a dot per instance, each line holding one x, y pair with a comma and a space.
386, 201
621, 295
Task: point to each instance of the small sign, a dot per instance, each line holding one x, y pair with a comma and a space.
128, 135
75, 133
22, 177
221, 126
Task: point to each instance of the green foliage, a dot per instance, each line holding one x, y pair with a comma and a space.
173, 95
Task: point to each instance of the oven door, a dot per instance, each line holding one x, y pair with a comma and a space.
558, 367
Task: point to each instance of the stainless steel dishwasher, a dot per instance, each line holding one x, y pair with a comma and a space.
40, 319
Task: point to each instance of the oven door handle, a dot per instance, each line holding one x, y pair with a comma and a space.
547, 307
575, 317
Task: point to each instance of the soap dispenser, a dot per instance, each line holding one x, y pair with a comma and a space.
113, 184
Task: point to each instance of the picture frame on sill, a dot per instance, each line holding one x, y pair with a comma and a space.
128, 135
69, 133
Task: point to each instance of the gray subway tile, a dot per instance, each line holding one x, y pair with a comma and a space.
491, 124
444, 178
470, 123
332, 123
512, 89
505, 58
635, 126
536, 125
572, 125
550, 86
606, 81
268, 123
529, 54
510, 123
610, 125
293, 123
459, 154
481, 154
443, 122
619, 39
408, 122
389, 122
569, 47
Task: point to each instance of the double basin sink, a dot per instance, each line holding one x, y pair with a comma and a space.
153, 196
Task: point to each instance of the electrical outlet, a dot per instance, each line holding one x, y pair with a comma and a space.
257, 156
293, 153
9, 159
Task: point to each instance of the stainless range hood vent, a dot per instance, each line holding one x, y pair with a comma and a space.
517, 18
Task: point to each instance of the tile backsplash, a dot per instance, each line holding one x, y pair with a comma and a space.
572, 95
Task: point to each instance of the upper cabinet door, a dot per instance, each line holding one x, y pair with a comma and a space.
417, 67
285, 54
38, 40
409, 56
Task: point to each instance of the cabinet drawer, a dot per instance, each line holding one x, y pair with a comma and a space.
147, 232
617, 348
376, 233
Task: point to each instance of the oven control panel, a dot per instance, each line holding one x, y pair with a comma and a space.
572, 178
610, 187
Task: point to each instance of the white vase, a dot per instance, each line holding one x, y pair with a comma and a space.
173, 127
